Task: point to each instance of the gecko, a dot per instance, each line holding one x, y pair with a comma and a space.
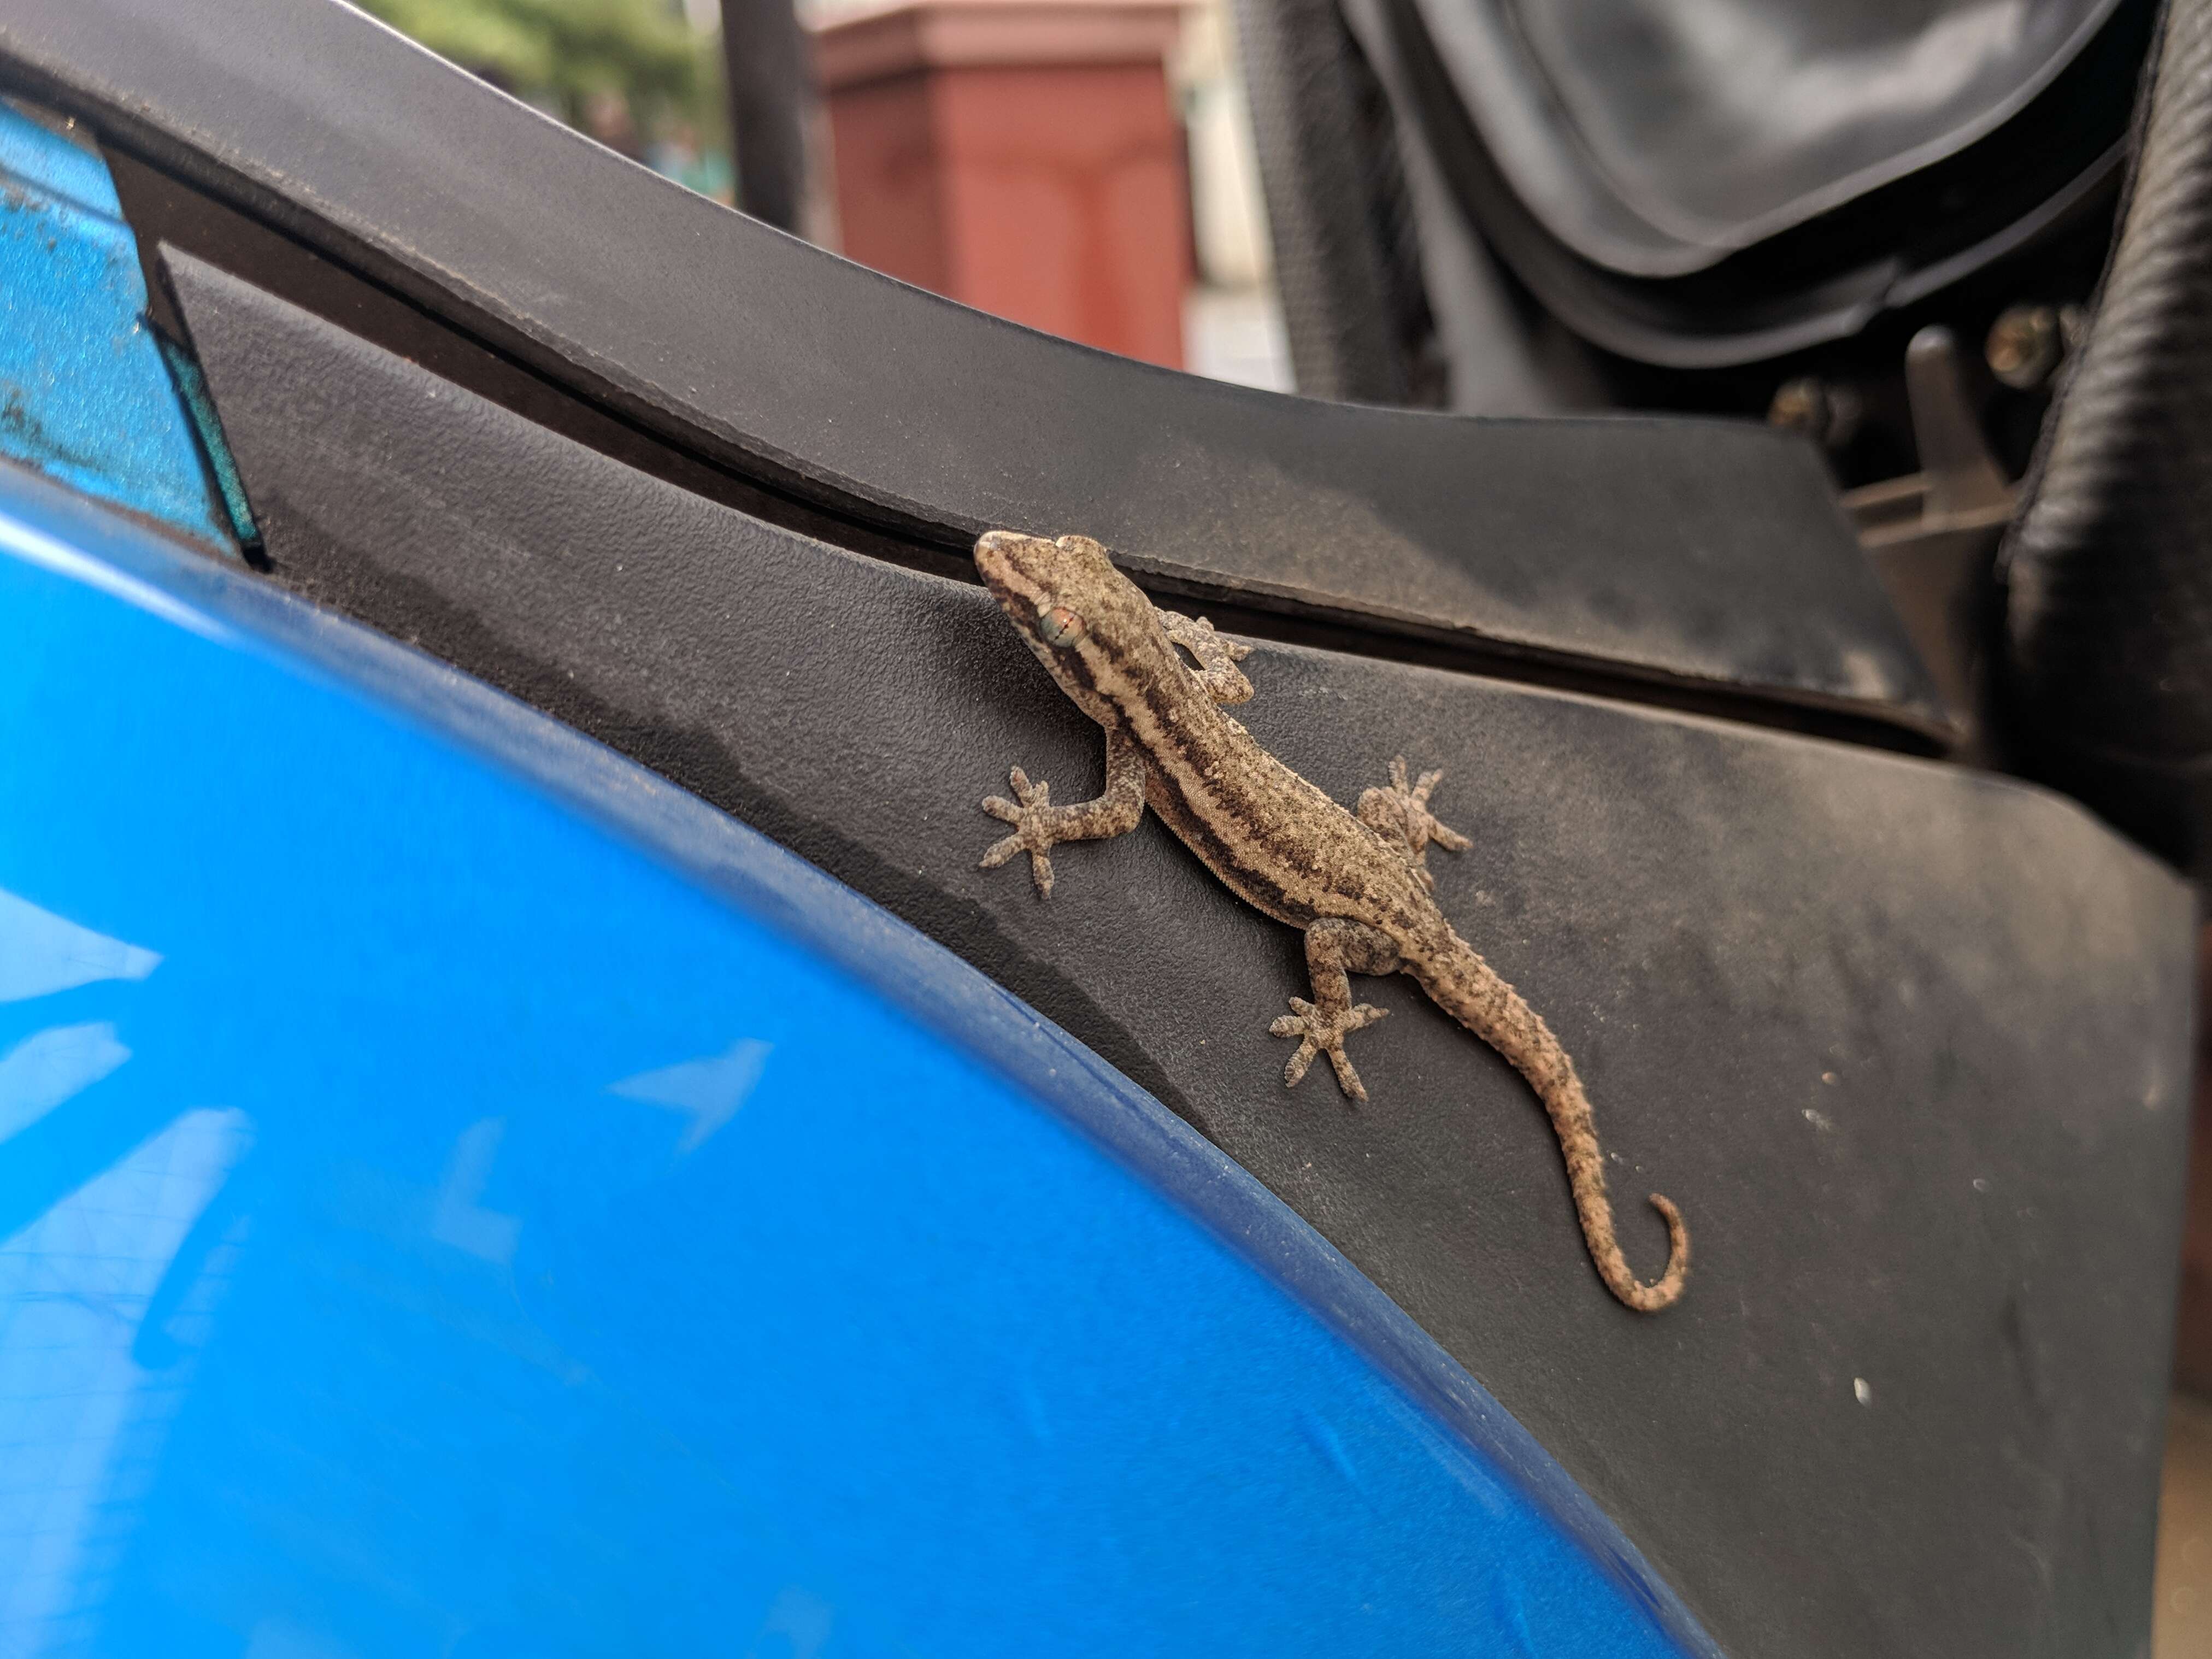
1355, 882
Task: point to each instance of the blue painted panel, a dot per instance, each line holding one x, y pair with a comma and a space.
461, 1196
85, 396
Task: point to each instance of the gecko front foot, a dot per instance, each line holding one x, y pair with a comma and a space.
1034, 819
1039, 826
1216, 658
1323, 1031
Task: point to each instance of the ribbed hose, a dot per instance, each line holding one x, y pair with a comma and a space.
2109, 565
1338, 217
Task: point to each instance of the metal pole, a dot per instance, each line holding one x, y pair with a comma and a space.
771, 92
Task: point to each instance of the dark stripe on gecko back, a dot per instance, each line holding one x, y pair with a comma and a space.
1234, 805
1144, 704
1231, 828
1255, 887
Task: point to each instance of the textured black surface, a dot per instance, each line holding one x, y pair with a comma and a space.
2110, 566
1695, 551
1910, 1045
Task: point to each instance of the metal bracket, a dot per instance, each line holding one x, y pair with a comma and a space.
1933, 536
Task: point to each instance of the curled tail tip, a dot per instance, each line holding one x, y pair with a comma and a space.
1669, 1289
1653, 1298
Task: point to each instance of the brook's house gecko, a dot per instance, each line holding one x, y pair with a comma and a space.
1356, 884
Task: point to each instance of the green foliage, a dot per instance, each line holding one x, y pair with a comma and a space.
565, 54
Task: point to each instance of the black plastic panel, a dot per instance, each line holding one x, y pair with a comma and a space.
1910, 1045
1683, 552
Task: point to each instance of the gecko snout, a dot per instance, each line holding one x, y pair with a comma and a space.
998, 552
1010, 560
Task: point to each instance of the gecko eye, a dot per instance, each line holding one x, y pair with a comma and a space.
1058, 623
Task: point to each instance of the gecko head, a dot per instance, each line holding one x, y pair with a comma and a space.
1077, 612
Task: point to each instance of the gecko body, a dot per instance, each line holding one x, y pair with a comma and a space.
1354, 882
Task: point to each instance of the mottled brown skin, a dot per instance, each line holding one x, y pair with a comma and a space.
1356, 884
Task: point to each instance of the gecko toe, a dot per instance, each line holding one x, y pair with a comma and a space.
1346, 1079
1294, 1025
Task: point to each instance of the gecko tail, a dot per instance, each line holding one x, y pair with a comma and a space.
1650, 1298
1474, 994
1586, 1176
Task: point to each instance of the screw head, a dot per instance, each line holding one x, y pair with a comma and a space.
2025, 345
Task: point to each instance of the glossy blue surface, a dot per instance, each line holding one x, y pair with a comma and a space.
461, 1196
85, 396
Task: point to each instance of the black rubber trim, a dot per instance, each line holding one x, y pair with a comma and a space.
1693, 555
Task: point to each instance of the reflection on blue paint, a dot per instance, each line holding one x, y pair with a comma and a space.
498, 1243
709, 1092
86, 396
82, 1411
41, 952
49, 1067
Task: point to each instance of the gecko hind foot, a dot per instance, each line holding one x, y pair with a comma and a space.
1401, 814
1323, 1031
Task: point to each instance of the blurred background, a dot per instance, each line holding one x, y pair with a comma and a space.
1879, 226
1084, 168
